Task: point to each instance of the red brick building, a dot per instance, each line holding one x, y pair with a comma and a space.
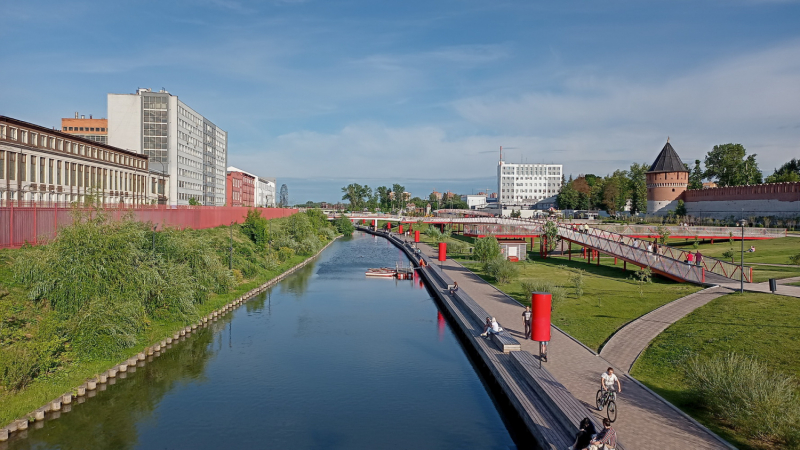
240, 188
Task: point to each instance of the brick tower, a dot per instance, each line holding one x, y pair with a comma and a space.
667, 180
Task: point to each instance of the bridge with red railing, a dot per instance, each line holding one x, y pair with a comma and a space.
624, 245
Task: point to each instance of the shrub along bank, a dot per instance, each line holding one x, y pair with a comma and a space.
103, 290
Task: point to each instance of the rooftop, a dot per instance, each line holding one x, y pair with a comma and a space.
668, 161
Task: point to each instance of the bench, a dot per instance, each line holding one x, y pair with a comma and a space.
568, 410
505, 342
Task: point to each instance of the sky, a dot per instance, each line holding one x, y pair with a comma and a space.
323, 93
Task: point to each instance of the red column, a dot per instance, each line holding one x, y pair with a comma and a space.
442, 251
400, 229
541, 303
416, 235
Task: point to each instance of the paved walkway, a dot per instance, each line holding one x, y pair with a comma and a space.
627, 344
645, 421
783, 289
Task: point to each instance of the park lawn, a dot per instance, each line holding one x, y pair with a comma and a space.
764, 326
610, 299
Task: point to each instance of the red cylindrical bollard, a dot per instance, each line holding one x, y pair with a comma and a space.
400, 229
389, 226
363, 221
442, 251
416, 235
541, 303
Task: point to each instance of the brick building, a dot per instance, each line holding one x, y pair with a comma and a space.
92, 129
241, 188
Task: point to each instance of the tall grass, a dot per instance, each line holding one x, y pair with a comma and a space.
557, 293
746, 394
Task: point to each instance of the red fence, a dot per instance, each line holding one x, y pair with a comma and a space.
35, 224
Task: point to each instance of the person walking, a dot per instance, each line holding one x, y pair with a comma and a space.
690, 258
526, 321
698, 258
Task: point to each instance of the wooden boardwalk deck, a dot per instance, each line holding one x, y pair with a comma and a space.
546, 407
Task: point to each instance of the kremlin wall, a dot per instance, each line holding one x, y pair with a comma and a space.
668, 180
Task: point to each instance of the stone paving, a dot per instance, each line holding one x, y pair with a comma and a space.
627, 344
645, 421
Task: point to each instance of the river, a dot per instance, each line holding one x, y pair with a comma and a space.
327, 359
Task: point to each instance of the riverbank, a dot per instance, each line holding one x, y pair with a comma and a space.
36, 329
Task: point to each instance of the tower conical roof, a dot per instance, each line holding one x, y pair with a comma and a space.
668, 161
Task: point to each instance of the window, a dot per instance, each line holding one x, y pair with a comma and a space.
2, 165
50, 173
22, 162
81, 129
65, 128
41, 170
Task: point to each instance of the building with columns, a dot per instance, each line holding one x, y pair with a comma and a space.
42, 165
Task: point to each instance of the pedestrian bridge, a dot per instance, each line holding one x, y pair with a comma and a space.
668, 261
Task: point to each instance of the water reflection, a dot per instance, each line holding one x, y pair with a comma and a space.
326, 359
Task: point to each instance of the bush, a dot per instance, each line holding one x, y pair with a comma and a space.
487, 249
285, 253
576, 279
557, 293
344, 226
746, 394
502, 270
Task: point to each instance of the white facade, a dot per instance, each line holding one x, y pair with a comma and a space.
474, 201
265, 192
527, 184
179, 141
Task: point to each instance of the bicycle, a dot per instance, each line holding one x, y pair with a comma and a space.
606, 398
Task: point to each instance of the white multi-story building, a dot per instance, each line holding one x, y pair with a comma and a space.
178, 141
527, 184
265, 192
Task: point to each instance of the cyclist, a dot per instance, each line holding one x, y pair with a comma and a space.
607, 380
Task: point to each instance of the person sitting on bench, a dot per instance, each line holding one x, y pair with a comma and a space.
454, 288
494, 328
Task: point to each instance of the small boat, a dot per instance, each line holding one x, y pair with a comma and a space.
386, 272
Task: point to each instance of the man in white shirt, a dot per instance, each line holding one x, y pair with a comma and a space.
607, 380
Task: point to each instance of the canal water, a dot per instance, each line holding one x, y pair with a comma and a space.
327, 359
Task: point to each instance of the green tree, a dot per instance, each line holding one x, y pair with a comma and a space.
399, 192
354, 194
383, 197
515, 213
193, 201
486, 249
568, 196
789, 171
344, 226
696, 176
615, 192
680, 210
637, 185
730, 166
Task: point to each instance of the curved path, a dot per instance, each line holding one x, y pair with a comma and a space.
629, 342
646, 421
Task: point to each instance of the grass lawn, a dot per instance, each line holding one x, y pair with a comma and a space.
761, 325
610, 298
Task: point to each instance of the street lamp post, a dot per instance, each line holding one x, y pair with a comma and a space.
742, 224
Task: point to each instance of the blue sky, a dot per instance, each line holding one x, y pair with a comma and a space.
323, 93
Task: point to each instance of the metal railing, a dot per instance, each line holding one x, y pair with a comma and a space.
605, 243
652, 231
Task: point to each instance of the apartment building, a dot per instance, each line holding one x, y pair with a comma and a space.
92, 129
38, 164
181, 143
527, 184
